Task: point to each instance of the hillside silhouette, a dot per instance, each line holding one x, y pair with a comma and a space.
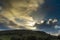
26, 35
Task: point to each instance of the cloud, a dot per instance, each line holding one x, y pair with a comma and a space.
18, 11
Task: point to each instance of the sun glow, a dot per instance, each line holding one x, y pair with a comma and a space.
30, 23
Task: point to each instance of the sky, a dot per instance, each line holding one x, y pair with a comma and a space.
31, 14
52, 10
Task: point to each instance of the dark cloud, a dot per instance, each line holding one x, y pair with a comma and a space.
46, 28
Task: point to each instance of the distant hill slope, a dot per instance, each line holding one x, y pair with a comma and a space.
26, 35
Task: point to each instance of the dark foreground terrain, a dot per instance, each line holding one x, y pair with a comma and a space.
26, 35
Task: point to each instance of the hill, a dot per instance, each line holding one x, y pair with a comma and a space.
26, 35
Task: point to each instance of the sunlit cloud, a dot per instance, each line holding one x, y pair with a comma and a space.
20, 10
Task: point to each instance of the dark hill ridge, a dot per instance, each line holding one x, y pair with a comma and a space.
26, 35
20, 32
